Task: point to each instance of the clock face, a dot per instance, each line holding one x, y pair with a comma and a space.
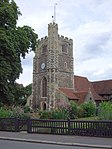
42, 65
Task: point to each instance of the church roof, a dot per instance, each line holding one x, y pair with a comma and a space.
82, 86
103, 87
81, 96
69, 93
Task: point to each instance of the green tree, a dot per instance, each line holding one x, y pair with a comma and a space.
28, 90
21, 94
15, 42
105, 111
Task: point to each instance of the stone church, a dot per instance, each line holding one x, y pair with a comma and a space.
54, 82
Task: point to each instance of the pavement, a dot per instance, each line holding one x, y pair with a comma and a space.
82, 141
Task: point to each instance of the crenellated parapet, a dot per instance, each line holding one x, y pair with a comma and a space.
65, 39
53, 24
41, 43
42, 40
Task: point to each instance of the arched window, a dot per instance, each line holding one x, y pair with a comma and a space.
44, 87
65, 65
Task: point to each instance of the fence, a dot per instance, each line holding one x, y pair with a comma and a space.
71, 127
13, 124
59, 127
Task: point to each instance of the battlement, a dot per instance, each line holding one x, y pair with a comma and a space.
43, 39
66, 39
53, 25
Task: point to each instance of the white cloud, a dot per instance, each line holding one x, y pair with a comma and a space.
93, 49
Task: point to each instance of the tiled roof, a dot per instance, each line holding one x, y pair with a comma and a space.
69, 93
103, 87
82, 84
81, 96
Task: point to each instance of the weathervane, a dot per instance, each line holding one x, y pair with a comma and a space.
54, 16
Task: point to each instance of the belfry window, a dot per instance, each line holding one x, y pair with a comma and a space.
44, 49
64, 48
44, 87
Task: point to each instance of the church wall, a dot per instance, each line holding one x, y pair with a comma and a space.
65, 80
56, 52
65, 62
61, 99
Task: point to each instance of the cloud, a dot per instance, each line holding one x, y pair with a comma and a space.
93, 40
95, 74
102, 74
95, 47
95, 56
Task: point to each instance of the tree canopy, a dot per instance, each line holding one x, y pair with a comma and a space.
15, 42
21, 94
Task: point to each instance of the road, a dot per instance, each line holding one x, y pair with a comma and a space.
24, 145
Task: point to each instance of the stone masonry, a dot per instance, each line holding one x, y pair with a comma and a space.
52, 68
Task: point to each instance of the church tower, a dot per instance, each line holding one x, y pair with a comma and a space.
52, 68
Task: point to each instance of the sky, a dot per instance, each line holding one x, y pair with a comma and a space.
87, 22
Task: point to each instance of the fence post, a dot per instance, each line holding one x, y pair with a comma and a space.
29, 127
68, 126
16, 125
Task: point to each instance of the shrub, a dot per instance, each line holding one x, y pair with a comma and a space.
45, 114
18, 112
60, 113
4, 112
80, 112
88, 109
73, 110
27, 109
105, 111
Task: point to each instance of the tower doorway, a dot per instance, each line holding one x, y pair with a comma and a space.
44, 106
